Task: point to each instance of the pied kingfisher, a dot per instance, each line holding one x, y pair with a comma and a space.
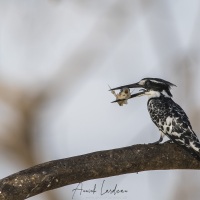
168, 116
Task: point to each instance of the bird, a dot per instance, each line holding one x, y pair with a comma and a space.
167, 115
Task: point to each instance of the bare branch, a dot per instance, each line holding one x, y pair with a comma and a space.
58, 173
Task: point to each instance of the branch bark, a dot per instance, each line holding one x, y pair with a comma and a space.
58, 173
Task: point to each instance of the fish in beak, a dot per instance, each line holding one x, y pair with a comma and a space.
135, 85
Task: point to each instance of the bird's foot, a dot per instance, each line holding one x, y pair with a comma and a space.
157, 142
168, 142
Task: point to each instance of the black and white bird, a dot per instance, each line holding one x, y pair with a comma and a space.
168, 116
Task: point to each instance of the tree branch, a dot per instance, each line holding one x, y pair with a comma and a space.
58, 173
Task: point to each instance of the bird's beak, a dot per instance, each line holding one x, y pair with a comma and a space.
134, 85
132, 96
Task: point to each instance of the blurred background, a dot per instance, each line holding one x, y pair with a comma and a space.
57, 58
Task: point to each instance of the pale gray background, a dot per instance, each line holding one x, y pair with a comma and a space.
57, 58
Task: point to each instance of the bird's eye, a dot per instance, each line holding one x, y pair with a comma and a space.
147, 83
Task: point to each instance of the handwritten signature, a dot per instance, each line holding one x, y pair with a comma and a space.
79, 190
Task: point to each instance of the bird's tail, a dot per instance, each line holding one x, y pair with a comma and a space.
191, 144
193, 147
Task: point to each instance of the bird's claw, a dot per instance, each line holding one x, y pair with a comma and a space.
168, 142
155, 143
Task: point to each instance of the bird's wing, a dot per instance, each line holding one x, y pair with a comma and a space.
181, 131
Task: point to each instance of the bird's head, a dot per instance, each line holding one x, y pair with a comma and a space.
152, 87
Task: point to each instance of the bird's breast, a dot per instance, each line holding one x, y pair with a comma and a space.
159, 110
